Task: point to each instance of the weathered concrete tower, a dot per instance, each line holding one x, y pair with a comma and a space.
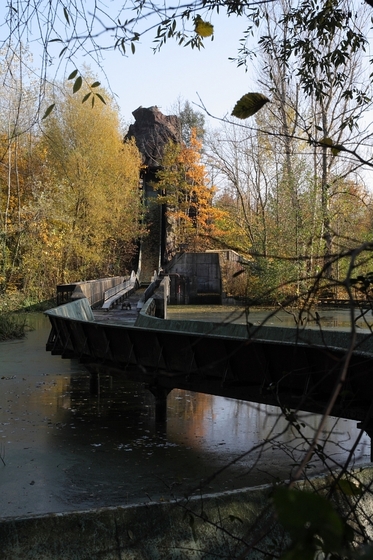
152, 130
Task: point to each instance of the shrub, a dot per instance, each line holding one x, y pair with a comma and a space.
12, 326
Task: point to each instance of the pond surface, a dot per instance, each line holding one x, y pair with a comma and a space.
62, 449
328, 318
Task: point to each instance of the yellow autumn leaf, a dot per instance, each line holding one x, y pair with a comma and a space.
203, 28
329, 142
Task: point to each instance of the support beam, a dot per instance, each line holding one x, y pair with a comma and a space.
160, 393
94, 384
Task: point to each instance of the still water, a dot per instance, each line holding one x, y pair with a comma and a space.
327, 318
62, 449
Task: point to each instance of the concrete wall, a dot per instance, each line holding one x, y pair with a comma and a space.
79, 310
94, 290
187, 529
152, 531
312, 336
203, 271
156, 298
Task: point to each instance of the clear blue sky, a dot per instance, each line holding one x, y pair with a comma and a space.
159, 79
175, 72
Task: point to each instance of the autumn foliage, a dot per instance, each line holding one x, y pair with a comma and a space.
69, 198
183, 186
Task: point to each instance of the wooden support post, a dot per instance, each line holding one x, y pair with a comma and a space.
160, 394
94, 384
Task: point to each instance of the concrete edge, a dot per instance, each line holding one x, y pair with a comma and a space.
206, 526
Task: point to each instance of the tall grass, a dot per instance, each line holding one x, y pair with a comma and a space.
12, 326
17, 301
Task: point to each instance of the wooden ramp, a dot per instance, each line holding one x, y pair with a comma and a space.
119, 293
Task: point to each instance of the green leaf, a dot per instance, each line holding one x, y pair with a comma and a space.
100, 98
86, 97
62, 52
72, 75
66, 14
248, 105
95, 84
133, 48
203, 28
48, 111
55, 41
305, 515
77, 84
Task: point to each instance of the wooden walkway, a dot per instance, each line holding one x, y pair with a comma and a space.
298, 375
118, 316
119, 294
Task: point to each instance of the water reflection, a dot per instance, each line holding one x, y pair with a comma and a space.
327, 317
66, 449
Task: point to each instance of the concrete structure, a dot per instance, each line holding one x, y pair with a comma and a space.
195, 278
231, 525
93, 290
152, 131
199, 527
297, 368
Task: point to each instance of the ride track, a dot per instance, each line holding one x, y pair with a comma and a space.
290, 368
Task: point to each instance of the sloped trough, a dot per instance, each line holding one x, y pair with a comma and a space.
238, 524
200, 526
